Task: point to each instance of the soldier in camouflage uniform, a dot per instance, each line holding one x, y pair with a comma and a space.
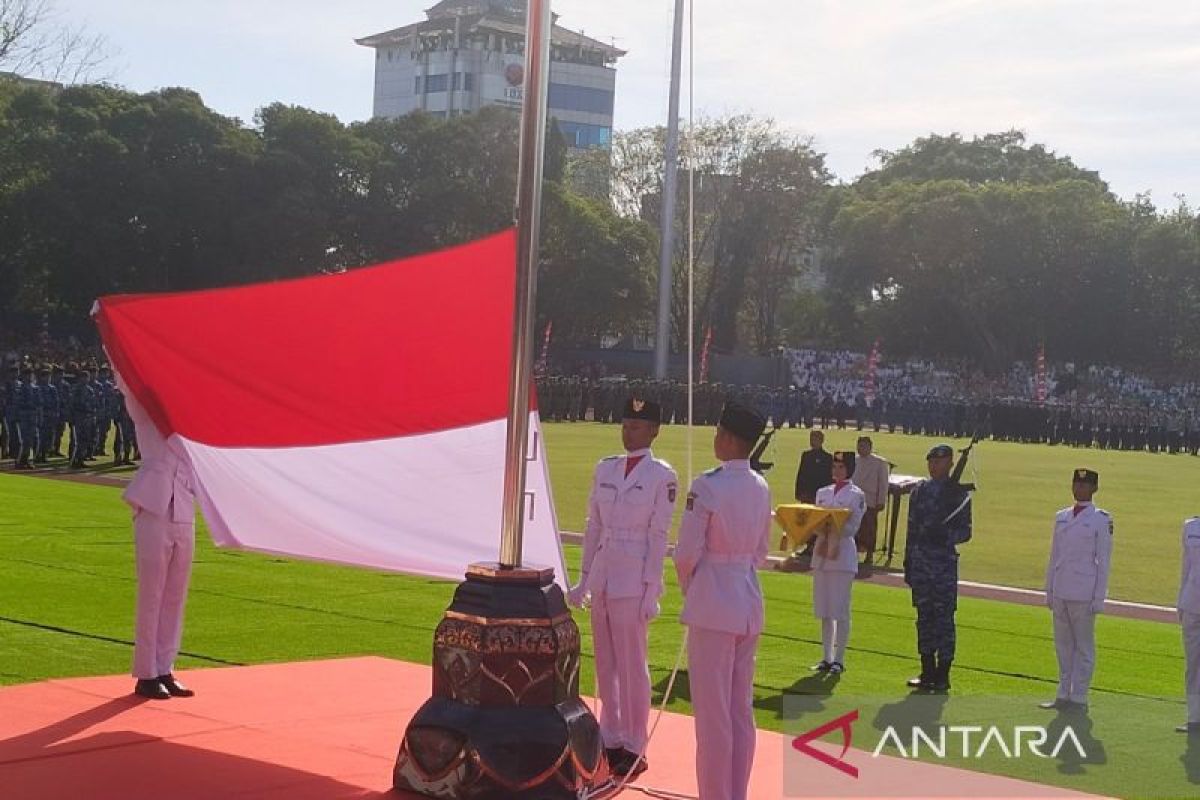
939, 519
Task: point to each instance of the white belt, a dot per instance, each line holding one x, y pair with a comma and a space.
730, 558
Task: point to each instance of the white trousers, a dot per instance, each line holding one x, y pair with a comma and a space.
621, 671
164, 563
721, 676
1075, 645
1191, 649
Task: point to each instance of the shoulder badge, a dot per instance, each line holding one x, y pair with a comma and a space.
671, 492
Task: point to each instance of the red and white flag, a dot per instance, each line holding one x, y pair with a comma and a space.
1040, 385
356, 418
872, 370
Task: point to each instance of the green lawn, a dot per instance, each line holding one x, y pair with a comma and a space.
67, 591
1020, 488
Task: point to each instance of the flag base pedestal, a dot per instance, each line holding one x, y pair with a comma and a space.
505, 719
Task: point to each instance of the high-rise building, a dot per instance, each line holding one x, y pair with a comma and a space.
470, 54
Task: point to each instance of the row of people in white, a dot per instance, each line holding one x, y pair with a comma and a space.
722, 542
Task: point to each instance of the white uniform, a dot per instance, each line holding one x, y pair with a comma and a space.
623, 552
162, 497
722, 541
833, 578
1189, 614
1076, 585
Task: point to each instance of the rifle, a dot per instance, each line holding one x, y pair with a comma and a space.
756, 462
961, 465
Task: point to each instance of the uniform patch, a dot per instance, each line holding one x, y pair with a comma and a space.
671, 492
691, 500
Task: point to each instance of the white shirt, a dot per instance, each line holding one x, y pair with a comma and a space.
722, 541
849, 497
625, 542
1189, 582
1079, 556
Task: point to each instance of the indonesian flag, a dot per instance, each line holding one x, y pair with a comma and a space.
356, 418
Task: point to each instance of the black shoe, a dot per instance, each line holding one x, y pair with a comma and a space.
1190, 728
633, 765
614, 756
925, 679
174, 687
941, 676
1057, 704
820, 666
837, 668
151, 688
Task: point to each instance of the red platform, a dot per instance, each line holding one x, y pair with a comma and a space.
322, 730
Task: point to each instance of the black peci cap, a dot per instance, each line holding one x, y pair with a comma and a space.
743, 422
1086, 476
636, 408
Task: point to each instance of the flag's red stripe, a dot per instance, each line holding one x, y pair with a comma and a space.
403, 348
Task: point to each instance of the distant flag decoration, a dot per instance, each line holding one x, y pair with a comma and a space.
340, 418
704, 355
1040, 386
872, 369
543, 359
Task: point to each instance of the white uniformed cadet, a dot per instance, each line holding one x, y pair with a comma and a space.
1189, 618
722, 540
835, 563
162, 497
629, 516
1076, 586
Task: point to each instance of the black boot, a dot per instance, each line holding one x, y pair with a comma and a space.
925, 679
941, 678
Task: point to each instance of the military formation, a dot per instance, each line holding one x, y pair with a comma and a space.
40, 405
1106, 427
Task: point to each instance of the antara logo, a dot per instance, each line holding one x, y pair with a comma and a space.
976, 741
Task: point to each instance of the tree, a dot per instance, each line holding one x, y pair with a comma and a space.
34, 44
758, 191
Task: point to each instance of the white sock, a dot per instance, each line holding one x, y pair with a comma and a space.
843, 636
827, 636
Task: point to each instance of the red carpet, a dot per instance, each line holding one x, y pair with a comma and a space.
322, 730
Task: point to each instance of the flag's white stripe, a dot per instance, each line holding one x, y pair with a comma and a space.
427, 504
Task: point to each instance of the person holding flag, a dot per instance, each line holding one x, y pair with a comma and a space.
835, 563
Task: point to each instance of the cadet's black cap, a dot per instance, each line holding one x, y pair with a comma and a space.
1086, 476
744, 423
940, 451
846, 458
636, 408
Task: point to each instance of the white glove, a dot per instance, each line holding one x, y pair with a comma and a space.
650, 607
577, 595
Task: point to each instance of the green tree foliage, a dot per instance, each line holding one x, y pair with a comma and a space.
983, 248
105, 191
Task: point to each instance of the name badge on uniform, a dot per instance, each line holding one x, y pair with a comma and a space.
607, 486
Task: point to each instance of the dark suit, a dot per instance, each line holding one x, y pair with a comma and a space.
816, 470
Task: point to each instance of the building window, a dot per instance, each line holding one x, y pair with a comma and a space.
581, 98
584, 136
433, 84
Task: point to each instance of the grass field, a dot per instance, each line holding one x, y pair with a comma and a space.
1020, 488
67, 592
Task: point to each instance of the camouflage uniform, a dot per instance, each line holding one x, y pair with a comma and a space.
939, 518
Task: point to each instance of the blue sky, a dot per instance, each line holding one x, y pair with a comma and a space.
1112, 83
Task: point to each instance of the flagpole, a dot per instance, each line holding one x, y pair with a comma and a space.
529, 216
666, 256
